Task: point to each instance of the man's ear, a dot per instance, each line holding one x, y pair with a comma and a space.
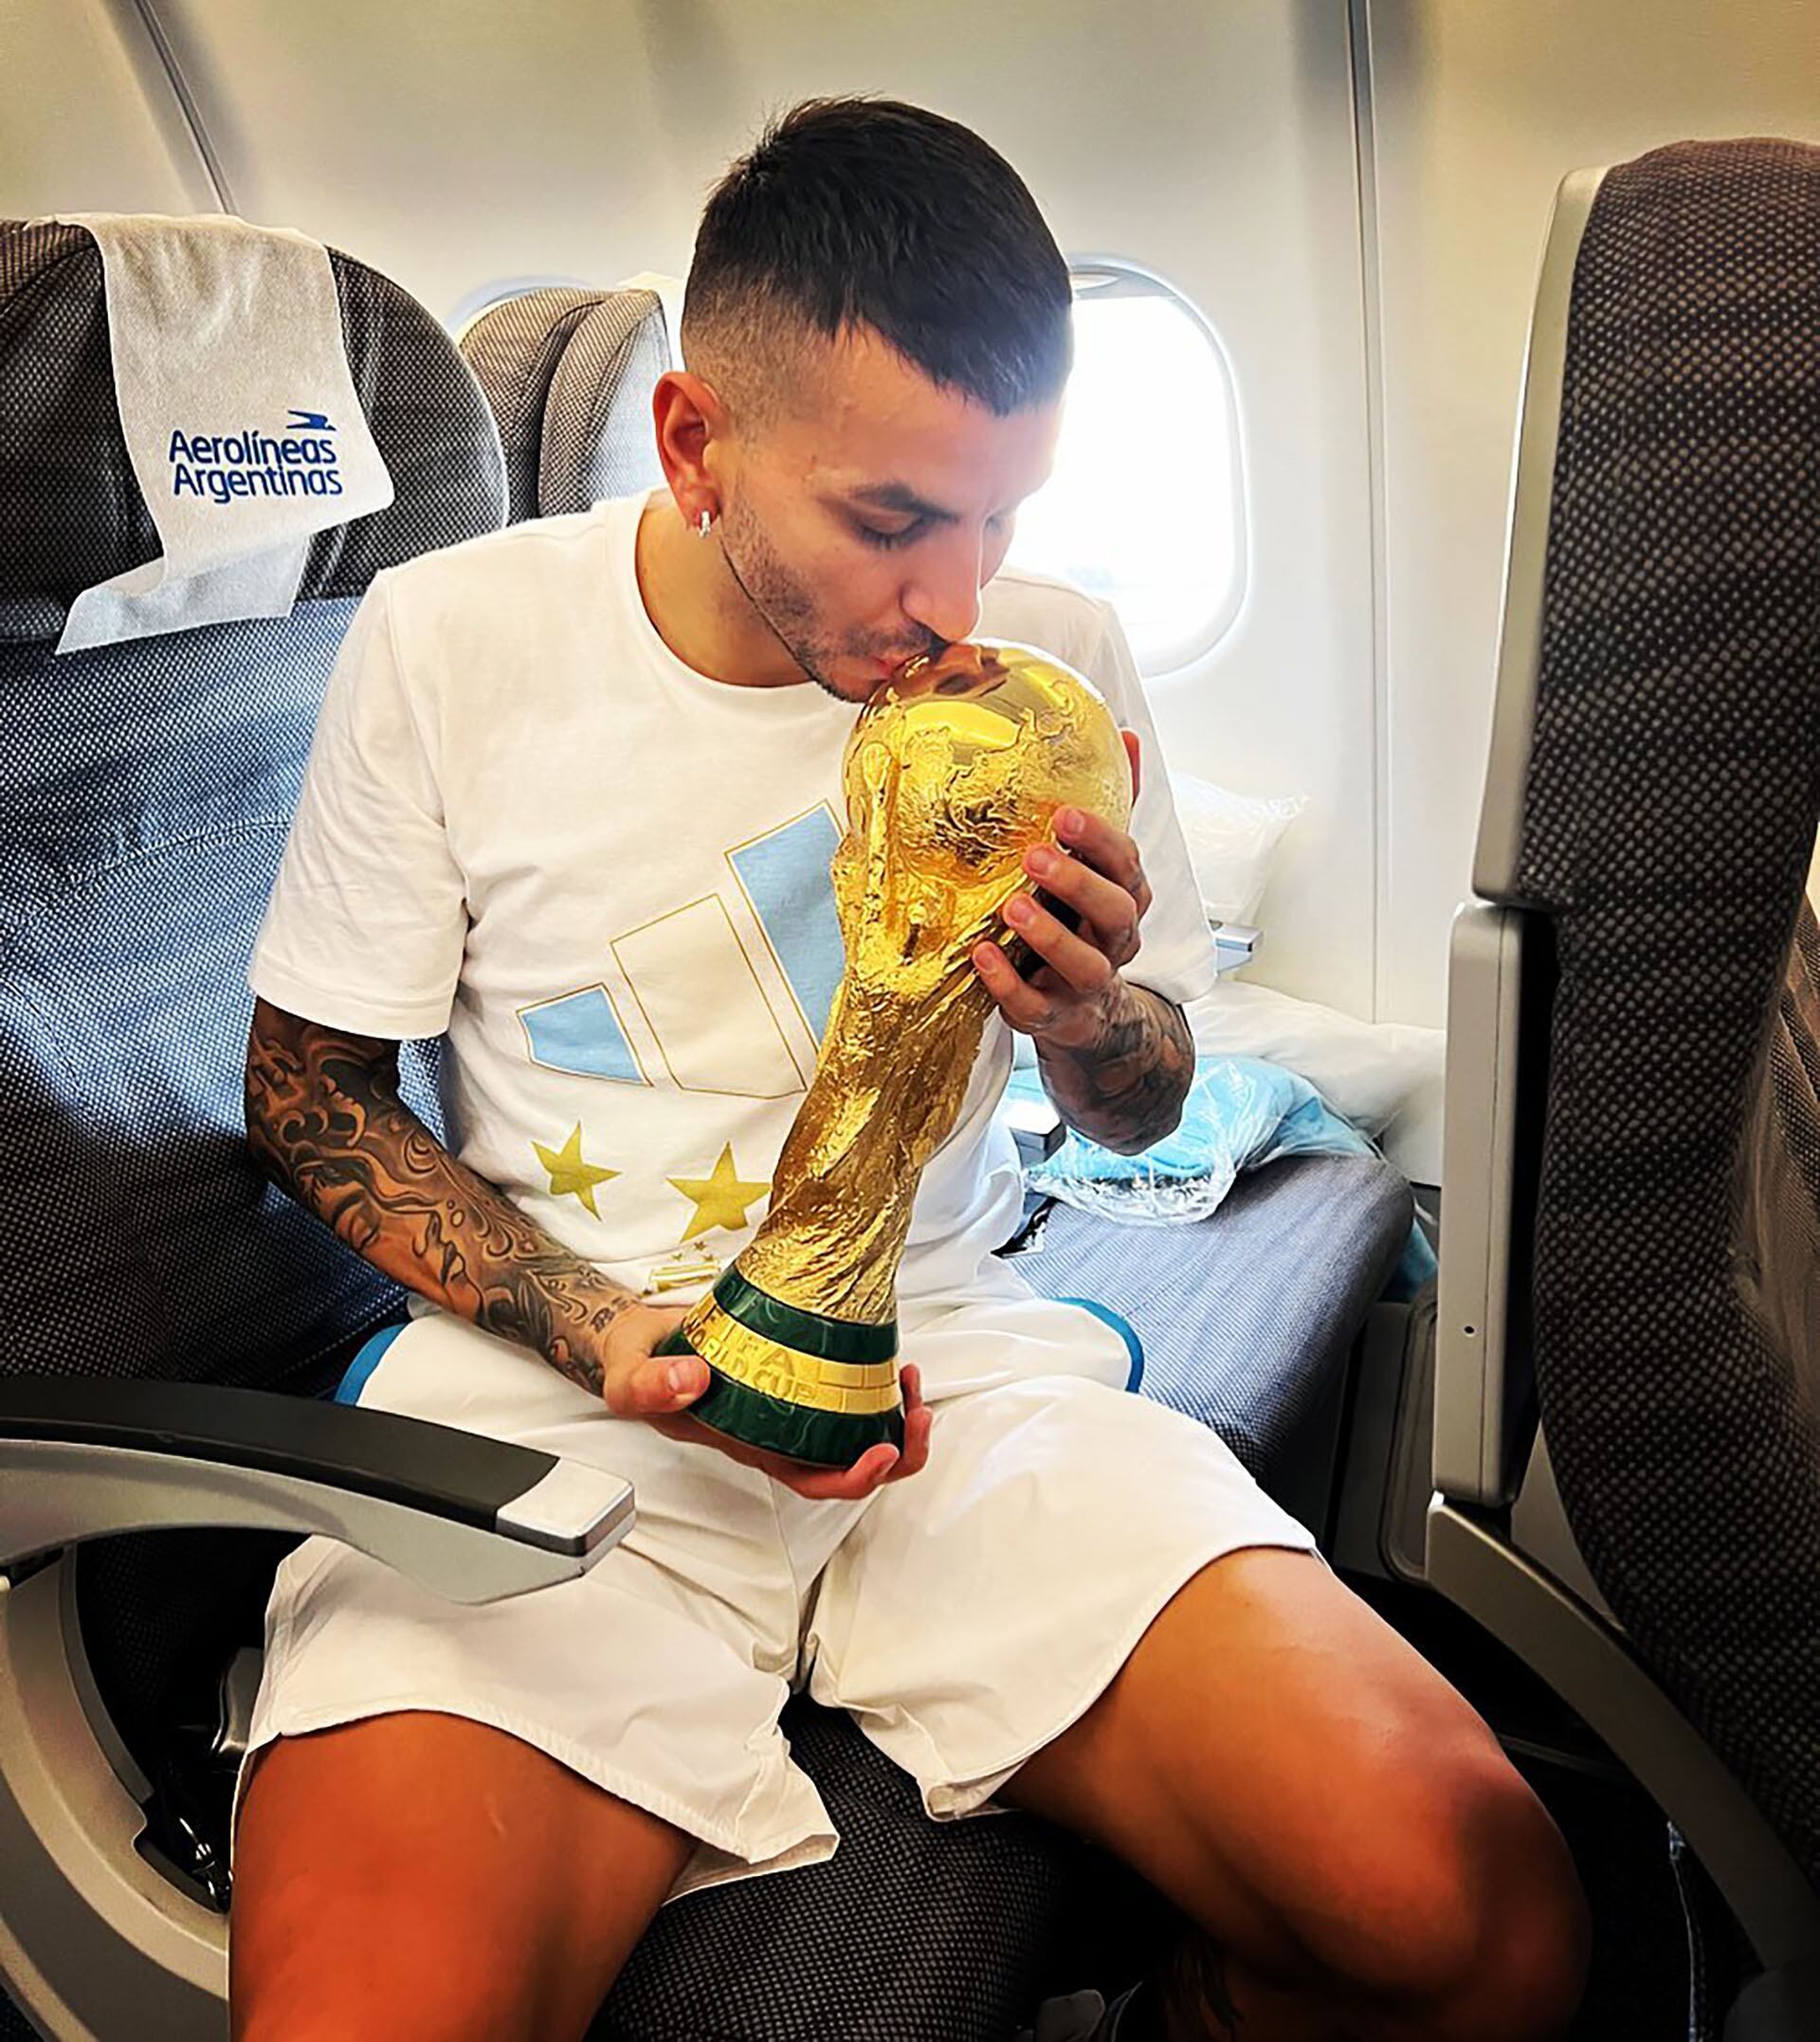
689, 418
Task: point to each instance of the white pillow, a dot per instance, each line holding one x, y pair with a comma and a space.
1230, 839
1385, 1076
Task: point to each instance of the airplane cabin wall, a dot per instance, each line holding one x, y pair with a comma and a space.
88, 121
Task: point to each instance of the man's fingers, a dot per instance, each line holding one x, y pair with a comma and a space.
1084, 965
1106, 910
842, 1484
875, 1466
884, 1463
1099, 871
917, 1420
1021, 1004
1094, 841
657, 1383
685, 1377
1085, 957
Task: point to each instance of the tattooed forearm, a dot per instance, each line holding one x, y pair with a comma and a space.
1124, 1089
324, 1117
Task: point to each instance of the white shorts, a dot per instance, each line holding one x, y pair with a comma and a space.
965, 1616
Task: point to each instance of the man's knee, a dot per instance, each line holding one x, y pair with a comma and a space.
1466, 1917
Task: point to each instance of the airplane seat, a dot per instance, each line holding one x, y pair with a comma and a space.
569, 374
160, 1295
1628, 1379
145, 789
173, 1320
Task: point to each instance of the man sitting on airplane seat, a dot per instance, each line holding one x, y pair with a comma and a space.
572, 798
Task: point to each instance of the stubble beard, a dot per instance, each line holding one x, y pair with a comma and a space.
783, 604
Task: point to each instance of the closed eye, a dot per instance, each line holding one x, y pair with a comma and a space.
874, 536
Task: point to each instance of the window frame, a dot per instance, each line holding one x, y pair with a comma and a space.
1119, 276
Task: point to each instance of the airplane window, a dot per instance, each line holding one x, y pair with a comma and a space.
1146, 506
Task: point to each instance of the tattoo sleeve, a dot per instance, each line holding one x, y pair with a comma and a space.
1124, 1089
324, 1119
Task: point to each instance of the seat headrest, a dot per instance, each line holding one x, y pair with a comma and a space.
1499, 849
69, 504
570, 373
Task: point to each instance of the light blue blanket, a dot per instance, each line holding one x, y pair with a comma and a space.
1240, 1113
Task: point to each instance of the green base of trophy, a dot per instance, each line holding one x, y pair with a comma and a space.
825, 1438
845, 1364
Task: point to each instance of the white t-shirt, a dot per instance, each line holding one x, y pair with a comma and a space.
528, 824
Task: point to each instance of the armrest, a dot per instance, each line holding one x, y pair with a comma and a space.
469, 1517
1235, 944
1036, 1127
1499, 994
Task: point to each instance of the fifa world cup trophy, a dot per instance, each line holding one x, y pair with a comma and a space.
956, 767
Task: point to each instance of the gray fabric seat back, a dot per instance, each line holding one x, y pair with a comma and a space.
570, 373
145, 795
1668, 814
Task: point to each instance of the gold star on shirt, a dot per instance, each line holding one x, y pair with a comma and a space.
569, 1172
719, 1201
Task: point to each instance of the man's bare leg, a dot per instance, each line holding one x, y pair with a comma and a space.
1334, 1816
418, 1874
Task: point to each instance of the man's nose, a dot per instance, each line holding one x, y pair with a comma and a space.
944, 597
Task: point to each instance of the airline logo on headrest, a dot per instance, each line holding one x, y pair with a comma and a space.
300, 462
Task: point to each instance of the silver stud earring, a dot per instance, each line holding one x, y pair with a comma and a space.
704, 524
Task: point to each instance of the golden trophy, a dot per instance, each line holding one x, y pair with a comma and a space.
956, 767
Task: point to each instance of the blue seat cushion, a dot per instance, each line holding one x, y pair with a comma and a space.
1246, 1318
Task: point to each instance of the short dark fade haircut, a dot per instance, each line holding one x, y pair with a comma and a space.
864, 212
